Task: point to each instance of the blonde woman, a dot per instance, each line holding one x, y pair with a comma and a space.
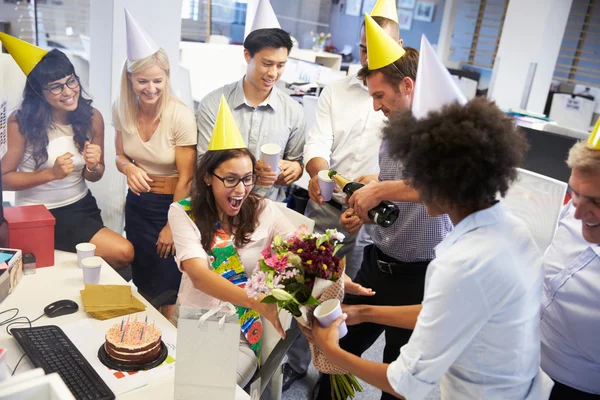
155, 145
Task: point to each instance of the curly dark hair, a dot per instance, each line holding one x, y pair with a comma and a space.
204, 208
34, 116
461, 155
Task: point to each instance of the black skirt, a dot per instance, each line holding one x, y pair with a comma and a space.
76, 223
145, 216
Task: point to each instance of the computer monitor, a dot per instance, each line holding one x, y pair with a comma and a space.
548, 153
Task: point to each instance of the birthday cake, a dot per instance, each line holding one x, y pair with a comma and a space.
133, 343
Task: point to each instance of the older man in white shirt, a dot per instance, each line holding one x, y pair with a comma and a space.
346, 138
570, 314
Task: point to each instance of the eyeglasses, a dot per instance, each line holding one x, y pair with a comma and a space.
231, 182
57, 88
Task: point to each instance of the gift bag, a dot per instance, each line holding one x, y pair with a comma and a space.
207, 353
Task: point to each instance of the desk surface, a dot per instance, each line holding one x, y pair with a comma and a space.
64, 281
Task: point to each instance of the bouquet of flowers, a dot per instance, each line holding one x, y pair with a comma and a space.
297, 272
319, 40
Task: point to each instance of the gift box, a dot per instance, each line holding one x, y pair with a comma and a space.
11, 271
31, 229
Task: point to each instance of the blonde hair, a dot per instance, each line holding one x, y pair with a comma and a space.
128, 103
584, 158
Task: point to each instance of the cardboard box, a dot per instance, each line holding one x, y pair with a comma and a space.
31, 229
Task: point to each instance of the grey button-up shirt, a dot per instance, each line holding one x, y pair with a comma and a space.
279, 119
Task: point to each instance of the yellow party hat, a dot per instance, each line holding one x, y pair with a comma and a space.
25, 54
386, 9
594, 139
382, 50
226, 134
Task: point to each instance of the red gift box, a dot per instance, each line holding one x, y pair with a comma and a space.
31, 229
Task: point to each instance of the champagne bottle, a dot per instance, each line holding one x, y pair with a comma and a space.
384, 214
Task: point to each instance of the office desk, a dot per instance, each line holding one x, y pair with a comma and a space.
331, 60
64, 281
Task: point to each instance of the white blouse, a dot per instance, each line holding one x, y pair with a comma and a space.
186, 237
61, 192
478, 333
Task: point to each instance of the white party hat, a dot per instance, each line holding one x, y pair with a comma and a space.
434, 86
264, 17
139, 43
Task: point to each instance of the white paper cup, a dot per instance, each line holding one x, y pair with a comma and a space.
84, 250
327, 312
326, 184
269, 154
91, 267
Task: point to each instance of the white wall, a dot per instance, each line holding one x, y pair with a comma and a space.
532, 33
162, 20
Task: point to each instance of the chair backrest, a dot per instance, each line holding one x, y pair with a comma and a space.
12, 81
183, 88
310, 110
537, 200
218, 39
230, 68
295, 217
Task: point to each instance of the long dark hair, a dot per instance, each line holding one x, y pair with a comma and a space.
204, 208
35, 117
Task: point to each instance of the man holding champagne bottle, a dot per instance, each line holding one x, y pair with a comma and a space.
346, 137
395, 265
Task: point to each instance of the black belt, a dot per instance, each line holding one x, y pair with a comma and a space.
335, 204
391, 266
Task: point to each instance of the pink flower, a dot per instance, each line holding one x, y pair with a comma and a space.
266, 252
256, 284
271, 260
280, 265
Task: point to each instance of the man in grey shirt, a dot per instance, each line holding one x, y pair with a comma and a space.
262, 111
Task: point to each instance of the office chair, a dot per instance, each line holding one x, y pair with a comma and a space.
537, 200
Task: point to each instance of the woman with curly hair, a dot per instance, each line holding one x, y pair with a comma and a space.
477, 331
56, 144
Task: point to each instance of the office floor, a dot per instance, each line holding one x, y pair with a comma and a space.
301, 390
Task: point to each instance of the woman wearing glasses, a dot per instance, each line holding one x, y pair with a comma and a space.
56, 144
156, 150
224, 208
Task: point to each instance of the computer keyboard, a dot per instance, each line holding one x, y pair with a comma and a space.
49, 348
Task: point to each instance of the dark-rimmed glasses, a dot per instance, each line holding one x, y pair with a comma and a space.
57, 88
231, 182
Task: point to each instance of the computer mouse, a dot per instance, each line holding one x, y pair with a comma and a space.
61, 307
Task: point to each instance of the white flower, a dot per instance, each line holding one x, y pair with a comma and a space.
282, 295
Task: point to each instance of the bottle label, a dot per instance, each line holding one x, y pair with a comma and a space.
376, 218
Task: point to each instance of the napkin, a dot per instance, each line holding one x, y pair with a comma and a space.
110, 301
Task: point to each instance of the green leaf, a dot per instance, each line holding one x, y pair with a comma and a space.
312, 301
269, 300
321, 240
337, 247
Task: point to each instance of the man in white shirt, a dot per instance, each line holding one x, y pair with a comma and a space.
345, 138
570, 312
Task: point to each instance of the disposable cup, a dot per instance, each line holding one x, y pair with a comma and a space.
91, 267
269, 154
327, 312
326, 185
84, 250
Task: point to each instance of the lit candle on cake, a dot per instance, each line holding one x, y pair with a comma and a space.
122, 321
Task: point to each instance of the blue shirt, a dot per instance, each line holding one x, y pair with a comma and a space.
570, 315
478, 332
